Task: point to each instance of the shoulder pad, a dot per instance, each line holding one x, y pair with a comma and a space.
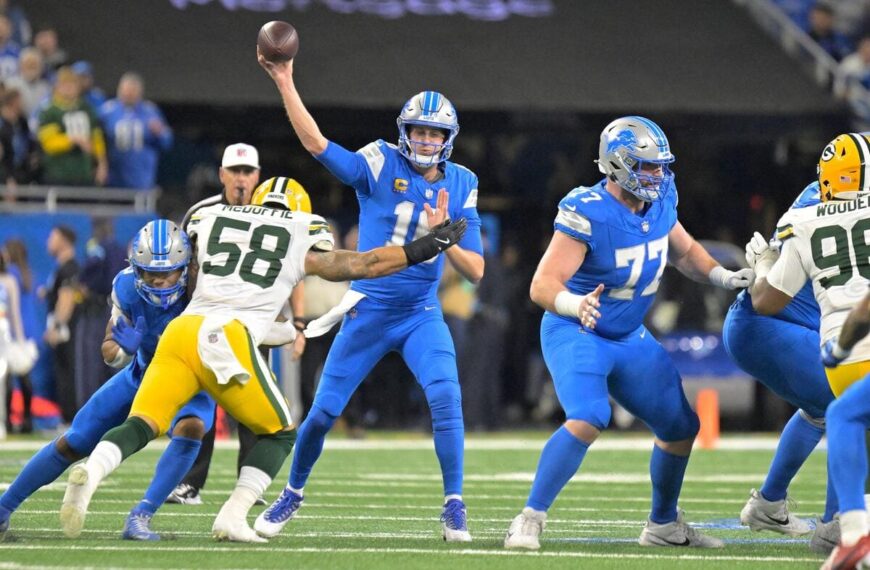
809, 196
589, 202
374, 155
124, 286
319, 235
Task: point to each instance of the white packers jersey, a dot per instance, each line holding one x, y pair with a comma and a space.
250, 259
830, 244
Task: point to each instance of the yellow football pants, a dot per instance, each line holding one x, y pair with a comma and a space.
177, 373
845, 375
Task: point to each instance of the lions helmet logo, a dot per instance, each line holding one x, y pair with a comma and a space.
828, 153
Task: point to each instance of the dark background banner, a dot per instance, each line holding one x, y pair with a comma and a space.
576, 55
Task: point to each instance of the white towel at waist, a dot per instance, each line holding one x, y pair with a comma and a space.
321, 325
217, 354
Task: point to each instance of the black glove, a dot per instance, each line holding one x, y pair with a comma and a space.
440, 238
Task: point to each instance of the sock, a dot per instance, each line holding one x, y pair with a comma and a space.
853, 525
43, 468
130, 436
798, 440
448, 431
560, 460
847, 453
104, 459
831, 506
309, 445
666, 471
449, 498
251, 485
175, 462
269, 453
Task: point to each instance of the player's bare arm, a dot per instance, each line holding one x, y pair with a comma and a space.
688, 256
303, 123
767, 299
342, 265
563, 258
468, 263
109, 347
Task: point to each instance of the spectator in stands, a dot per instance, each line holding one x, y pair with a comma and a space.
105, 259
21, 30
854, 69
53, 56
61, 293
823, 32
71, 137
797, 10
91, 93
15, 255
18, 149
9, 50
136, 132
30, 83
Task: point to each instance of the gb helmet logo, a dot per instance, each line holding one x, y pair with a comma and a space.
828, 153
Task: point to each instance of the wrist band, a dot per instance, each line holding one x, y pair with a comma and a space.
568, 304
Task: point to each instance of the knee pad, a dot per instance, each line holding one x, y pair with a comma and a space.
445, 404
679, 428
190, 427
817, 422
595, 412
318, 420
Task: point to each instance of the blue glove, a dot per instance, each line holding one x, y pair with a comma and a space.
129, 338
832, 354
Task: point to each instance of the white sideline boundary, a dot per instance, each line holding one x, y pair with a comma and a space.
760, 443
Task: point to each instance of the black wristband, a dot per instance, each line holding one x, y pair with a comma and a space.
421, 249
299, 324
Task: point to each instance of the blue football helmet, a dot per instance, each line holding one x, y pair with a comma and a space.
430, 109
630, 149
161, 246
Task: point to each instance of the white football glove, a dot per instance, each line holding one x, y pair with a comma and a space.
755, 248
740, 279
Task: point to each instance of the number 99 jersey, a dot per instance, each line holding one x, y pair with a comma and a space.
827, 244
627, 252
250, 258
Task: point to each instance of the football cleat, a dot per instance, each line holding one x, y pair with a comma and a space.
138, 526
525, 529
850, 557
80, 488
260, 502
5, 515
272, 520
233, 529
760, 514
184, 494
676, 533
454, 522
826, 537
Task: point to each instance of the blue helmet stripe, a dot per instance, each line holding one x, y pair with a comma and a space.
661, 139
430, 102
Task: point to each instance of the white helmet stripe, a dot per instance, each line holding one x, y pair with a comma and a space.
864, 152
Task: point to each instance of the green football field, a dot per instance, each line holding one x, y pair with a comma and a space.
375, 504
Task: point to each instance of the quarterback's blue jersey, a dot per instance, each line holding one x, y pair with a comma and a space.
391, 195
627, 252
133, 149
803, 309
132, 304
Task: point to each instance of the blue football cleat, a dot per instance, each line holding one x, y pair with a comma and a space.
272, 520
453, 522
138, 526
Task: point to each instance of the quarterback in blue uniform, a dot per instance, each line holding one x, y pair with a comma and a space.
596, 281
403, 191
145, 296
782, 352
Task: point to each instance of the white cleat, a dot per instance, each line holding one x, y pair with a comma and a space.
525, 530
79, 490
234, 529
676, 533
760, 514
826, 537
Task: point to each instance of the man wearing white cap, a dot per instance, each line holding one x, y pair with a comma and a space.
239, 174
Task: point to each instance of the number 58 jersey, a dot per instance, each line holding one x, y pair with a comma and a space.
830, 245
250, 258
627, 252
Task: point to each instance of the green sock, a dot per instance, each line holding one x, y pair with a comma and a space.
270, 451
131, 436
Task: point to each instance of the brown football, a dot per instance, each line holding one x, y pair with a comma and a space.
278, 41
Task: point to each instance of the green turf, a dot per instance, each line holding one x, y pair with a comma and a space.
379, 508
